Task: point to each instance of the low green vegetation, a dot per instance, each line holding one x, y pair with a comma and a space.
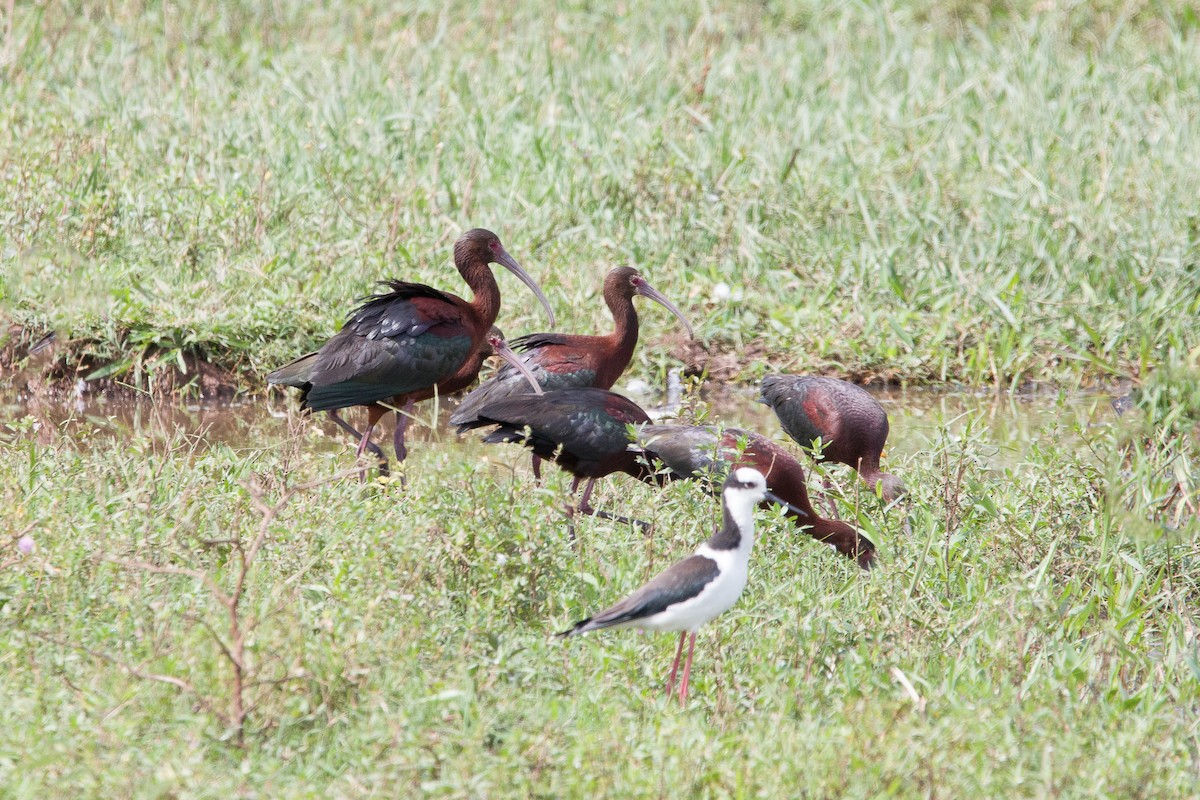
929, 193
1033, 636
973, 192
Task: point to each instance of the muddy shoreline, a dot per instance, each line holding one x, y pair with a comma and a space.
54, 367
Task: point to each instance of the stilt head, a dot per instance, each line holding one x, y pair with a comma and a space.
744, 488
747, 482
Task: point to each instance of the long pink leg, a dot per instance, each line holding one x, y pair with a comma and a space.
687, 671
675, 665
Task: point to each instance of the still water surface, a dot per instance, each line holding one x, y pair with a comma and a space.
1008, 423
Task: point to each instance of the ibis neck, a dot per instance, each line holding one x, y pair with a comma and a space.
625, 330
790, 488
486, 301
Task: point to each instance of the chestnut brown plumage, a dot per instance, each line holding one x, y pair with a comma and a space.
850, 423
710, 453
565, 361
409, 343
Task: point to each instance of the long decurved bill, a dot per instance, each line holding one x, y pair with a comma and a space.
781, 502
510, 264
502, 349
646, 290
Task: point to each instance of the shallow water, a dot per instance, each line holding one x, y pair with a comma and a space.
1007, 423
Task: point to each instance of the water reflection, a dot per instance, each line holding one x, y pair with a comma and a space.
919, 418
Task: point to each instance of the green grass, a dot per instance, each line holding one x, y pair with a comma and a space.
1034, 636
980, 192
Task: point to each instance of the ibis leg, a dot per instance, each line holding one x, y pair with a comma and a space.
687, 670
585, 507
362, 448
675, 664
571, 511
402, 419
374, 449
374, 414
401, 426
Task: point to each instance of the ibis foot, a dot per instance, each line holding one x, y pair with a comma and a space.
370, 447
645, 527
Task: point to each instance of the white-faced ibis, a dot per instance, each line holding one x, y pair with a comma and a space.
409, 343
563, 361
691, 592
850, 423
710, 453
583, 430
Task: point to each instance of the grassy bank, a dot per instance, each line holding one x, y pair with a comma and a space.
1034, 636
980, 194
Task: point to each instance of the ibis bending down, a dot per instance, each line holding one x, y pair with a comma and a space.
585, 431
850, 423
563, 361
408, 343
709, 453
693, 591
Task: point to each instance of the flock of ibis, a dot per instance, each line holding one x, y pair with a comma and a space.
553, 394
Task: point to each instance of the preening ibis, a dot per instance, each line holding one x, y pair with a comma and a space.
409, 343
709, 453
583, 430
691, 592
563, 361
850, 423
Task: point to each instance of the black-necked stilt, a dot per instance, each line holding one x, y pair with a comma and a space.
691, 592
709, 453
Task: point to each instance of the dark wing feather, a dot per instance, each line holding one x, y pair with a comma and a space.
355, 370
393, 313
507, 382
533, 341
591, 421
295, 373
676, 584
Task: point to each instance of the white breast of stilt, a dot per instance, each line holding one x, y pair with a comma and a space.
733, 565
717, 596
